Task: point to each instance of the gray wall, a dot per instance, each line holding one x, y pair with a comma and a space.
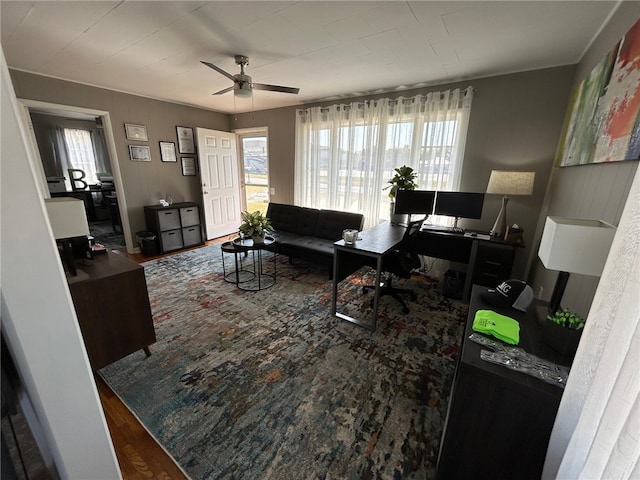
515, 125
144, 182
596, 191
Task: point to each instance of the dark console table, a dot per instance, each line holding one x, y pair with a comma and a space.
499, 420
489, 260
112, 304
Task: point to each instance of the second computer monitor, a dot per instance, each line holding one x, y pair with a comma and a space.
459, 204
414, 202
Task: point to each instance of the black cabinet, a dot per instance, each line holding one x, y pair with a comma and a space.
176, 226
499, 420
493, 263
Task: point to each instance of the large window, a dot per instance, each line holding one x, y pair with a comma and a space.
255, 167
346, 153
81, 152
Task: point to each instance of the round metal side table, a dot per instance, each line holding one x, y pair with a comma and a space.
263, 267
241, 273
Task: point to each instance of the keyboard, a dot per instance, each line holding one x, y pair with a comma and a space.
442, 228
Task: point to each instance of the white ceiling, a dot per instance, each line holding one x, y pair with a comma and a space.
329, 49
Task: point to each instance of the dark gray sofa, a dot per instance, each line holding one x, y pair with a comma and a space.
309, 233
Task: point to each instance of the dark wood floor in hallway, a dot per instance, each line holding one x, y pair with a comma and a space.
139, 455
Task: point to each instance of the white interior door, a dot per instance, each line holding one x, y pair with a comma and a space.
217, 155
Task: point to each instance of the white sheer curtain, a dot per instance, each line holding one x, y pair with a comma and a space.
346, 153
597, 429
81, 149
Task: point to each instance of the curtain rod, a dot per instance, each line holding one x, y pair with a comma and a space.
394, 101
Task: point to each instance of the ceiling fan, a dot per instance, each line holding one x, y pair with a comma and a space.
242, 84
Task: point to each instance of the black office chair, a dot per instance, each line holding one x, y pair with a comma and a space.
400, 262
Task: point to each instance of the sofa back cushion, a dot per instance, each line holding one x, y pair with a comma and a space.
331, 223
308, 222
284, 217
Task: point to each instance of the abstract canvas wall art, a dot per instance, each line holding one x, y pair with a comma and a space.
604, 121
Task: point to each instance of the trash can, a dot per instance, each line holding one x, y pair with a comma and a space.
453, 284
147, 242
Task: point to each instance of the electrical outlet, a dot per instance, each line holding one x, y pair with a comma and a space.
272, 191
540, 291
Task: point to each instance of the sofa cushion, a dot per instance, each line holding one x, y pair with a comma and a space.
284, 238
284, 217
308, 221
331, 223
312, 244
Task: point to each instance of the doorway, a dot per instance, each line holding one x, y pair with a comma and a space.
217, 157
254, 155
116, 236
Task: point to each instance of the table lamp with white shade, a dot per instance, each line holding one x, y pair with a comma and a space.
68, 220
574, 246
508, 183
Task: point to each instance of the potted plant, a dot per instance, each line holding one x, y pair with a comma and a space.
255, 225
562, 331
404, 179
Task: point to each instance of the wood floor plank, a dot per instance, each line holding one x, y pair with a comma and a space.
139, 455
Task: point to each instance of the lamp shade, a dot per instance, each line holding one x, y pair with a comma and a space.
576, 246
67, 217
511, 183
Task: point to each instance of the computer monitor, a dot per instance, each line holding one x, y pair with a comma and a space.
414, 202
459, 204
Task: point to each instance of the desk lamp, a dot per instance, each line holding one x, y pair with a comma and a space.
508, 183
68, 219
576, 246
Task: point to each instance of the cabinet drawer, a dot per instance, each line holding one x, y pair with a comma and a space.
171, 240
494, 256
192, 236
189, 216
489, 279
168, 219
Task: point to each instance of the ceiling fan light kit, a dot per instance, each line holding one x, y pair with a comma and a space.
242, 84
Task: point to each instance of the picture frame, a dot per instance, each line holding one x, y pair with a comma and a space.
136, 132
186, 142
139, 153
168, 152
188, 166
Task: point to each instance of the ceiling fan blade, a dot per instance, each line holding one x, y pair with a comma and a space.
219, 70
223, 91
275, 88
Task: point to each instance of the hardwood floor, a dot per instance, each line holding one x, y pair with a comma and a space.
139, 455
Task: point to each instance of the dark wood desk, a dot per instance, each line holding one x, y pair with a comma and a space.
489, 261
112, 304
374, 242
499, 420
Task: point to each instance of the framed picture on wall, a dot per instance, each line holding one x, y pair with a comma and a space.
185, 140
139, 153
188, 166
168, 152
136, 132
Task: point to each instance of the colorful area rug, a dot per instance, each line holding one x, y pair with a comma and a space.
269, 385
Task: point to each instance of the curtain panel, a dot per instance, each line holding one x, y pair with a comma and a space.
80, 148
345, 154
